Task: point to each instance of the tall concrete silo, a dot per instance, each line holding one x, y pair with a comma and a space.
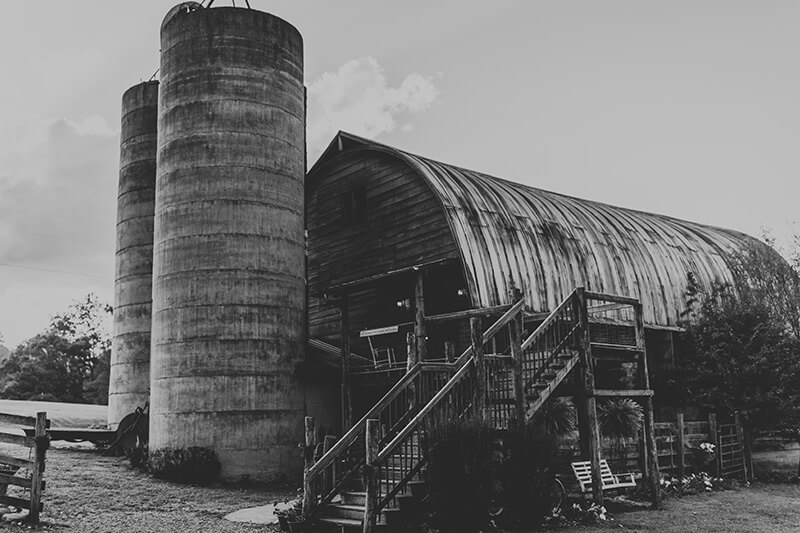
228, 266
130, 350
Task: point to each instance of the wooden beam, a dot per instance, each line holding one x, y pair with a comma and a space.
515, 338
590, 435
598, 296
18, 420
39, 451
419, 315
449, 351
371, 473
347, 402
680, 433
469, 313
411, 351
15, 461
622, 393
309, 494
369, 279
328, 475
653, 477
19, 440
476, 337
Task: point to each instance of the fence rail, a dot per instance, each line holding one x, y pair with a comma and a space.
11, 467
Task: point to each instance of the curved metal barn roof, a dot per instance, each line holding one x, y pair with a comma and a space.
549, 243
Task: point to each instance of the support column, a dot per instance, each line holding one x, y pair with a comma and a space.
680, 432
653, 477
371, 475
587, 404
347, 401
515, 338
476, 335
309, 494
419, 315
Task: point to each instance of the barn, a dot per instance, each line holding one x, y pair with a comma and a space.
394, 238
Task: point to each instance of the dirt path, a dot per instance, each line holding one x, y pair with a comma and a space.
87, 492
760, 508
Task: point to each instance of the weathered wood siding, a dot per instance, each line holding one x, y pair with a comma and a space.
403, 225
550, 243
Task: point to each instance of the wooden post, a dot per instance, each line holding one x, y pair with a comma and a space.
37, 472
476, 336
748, 441
411, 351
309, 496
347, 401
419, 315
714, 433
329, 475
653, 477
680, 432
515, 338
449, 351
371, 475
737, 420
587, 404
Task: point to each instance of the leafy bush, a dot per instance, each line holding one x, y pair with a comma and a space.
473, 466
186, 465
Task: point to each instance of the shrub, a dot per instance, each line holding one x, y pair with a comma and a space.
185, 465
473, 465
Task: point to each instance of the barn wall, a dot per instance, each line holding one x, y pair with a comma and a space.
403, 225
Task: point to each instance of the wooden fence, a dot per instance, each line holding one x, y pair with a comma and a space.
32, 467
678, 444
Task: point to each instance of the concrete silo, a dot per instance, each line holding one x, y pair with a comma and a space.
130, 352
228, 266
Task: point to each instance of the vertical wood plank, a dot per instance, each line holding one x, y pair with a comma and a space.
653, 477
449, 351
680, 432
329, 475
371, 473
737, 420
309, 494
476, 337
713, 431
419, 315
347, 402
515, 338
37, 472
747, 436
591, 436
411, 351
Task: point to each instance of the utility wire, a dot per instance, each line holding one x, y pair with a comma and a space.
55, 271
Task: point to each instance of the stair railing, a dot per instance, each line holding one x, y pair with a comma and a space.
558, 333
403, 457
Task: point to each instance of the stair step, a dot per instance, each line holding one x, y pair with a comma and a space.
350, 525
354, 498
340, 510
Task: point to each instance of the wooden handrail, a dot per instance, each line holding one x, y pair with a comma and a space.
625, 300
492, 331
547, 321
361, 425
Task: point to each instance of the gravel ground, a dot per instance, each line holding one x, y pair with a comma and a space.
88, 492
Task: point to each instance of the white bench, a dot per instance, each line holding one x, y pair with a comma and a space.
583, 473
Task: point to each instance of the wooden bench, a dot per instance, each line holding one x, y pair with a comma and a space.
583, 473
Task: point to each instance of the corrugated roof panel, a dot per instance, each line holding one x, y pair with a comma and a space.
548, 243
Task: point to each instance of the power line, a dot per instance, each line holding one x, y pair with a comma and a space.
54, 271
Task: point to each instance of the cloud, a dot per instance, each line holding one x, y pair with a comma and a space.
54, 191
357, 98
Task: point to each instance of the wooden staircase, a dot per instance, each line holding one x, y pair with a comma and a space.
376, 469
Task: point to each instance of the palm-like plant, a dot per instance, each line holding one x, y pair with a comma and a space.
620, 420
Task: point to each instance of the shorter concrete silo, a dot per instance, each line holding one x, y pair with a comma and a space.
129, 386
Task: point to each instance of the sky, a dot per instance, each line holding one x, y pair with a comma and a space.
684, 108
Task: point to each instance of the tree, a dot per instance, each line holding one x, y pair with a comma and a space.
67, 362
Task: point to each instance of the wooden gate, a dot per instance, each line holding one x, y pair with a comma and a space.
730, 451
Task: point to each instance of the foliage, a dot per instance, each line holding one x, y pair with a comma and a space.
694, 484
620, 420
555, 418
472, 466
68, 362
186, 465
